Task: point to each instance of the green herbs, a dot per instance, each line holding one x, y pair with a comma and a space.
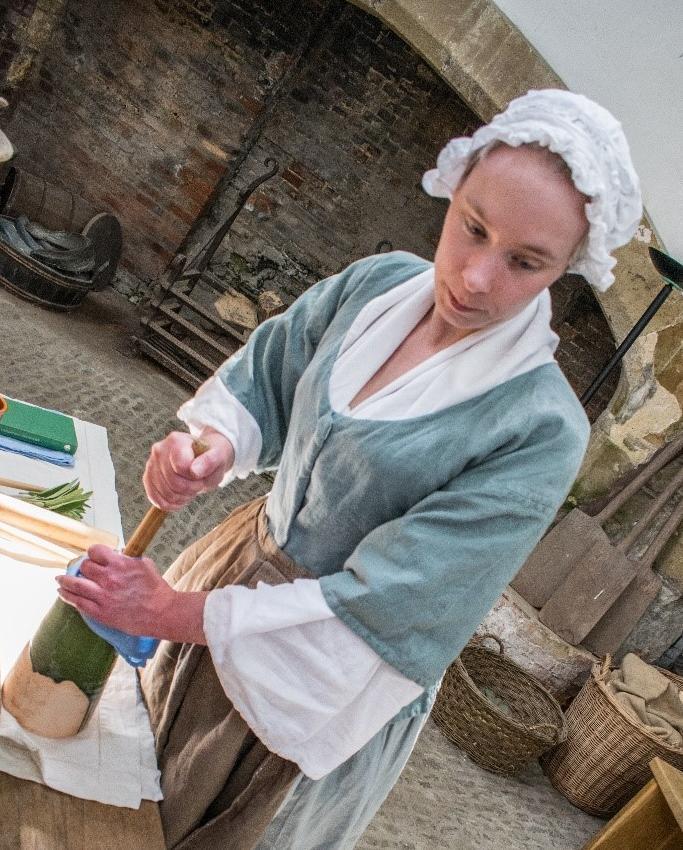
66, 499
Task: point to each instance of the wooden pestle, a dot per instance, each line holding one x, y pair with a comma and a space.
154, 518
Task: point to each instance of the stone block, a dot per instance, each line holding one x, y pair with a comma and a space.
660, 626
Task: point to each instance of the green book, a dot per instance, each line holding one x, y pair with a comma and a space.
38, 426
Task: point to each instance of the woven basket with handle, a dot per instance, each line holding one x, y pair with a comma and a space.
499, 714
604, 761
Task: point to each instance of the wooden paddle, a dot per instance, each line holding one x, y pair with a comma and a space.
579, 538
592, 605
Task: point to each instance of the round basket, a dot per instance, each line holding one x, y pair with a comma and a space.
496, 712
604, 761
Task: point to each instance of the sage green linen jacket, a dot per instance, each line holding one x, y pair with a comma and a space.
413, 527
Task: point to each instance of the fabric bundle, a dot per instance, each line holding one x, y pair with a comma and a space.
650, 698
18, 447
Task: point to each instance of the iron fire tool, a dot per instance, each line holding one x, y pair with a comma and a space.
672, 272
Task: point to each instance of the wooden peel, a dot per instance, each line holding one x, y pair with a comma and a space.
608, 589
31, 549
579, 538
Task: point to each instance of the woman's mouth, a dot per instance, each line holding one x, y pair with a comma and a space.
458, 306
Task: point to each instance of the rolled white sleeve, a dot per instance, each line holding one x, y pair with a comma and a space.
213, 405
309, 687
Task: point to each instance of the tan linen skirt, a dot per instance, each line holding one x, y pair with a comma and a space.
221, 785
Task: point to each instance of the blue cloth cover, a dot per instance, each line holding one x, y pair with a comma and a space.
18, 447
135, 650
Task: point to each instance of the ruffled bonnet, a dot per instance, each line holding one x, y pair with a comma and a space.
592, 143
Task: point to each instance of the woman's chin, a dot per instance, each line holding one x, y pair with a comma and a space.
466, 320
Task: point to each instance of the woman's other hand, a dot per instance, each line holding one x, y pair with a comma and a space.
174, 476
129, 594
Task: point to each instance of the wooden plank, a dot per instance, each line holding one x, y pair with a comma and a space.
588, 592
214, 319
670, 781
196, 332
158, 329
165, 359
553, 559
222, 288
645, 823
34, 817
618, 623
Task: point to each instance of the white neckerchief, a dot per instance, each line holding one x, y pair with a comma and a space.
470, 367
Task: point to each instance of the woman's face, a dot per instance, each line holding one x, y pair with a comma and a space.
510, 231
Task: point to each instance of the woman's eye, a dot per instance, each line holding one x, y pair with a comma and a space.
474, 229
525, 265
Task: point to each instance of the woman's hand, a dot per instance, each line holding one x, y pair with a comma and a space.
129, 594
174, 476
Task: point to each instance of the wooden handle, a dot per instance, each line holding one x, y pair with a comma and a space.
53, 526
665, 455
154, 519
20, 485
653, 510
662, 538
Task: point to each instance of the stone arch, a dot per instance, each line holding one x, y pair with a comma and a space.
487, 60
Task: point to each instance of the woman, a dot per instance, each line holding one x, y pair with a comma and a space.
424, 438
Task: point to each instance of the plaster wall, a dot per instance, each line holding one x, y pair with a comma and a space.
628, 57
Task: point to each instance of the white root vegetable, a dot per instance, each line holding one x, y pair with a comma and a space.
9, 532
19, 550
52, 526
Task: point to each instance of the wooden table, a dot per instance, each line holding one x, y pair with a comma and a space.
652, 820
34, 817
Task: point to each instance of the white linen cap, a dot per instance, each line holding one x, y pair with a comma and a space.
592, 143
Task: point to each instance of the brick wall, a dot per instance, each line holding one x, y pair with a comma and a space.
140, 110
586, 342
163, 111
355, 124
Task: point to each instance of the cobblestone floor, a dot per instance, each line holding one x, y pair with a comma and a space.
83, 364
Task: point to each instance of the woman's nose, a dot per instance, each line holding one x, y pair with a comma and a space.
479, 272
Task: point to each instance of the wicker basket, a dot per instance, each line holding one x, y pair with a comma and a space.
496, 712
604, 761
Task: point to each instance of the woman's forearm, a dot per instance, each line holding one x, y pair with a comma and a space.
183, 621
